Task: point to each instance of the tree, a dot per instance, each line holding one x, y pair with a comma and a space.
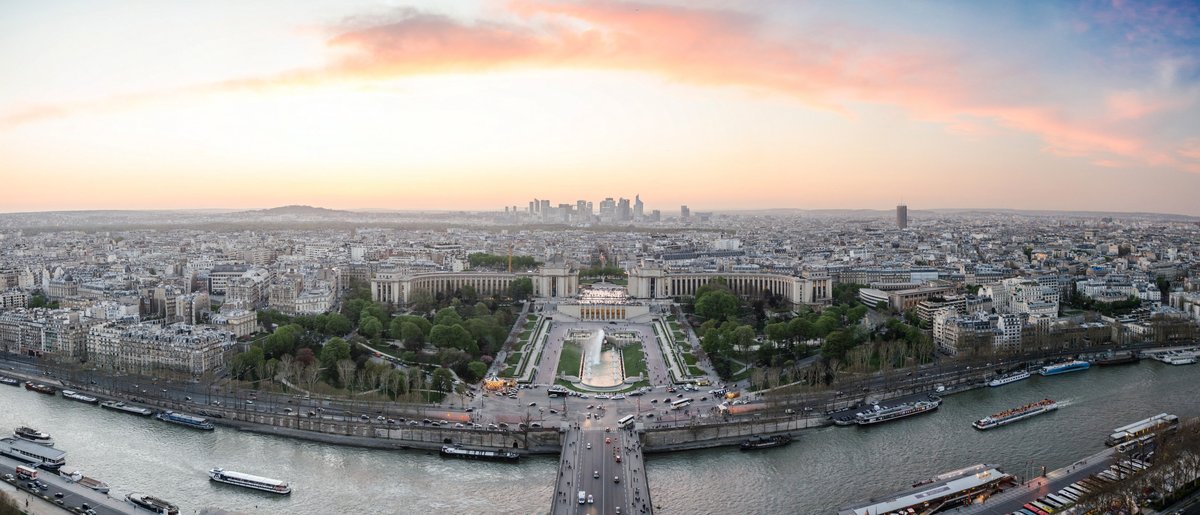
412, 336
345, 372
305, 356
370, 327
422, 301
335, 350
521, 288
777, 332
717, 305
443, 380
337, 324
446, 316
480, 310
478, 369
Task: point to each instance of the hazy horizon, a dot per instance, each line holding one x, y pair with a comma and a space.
435, 106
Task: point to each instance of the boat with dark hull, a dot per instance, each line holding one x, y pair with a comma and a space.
152, 504
125, 408
755, 443
1032, 409
454, 451
79, 397
30, 434
39, 388
1116, 358
878, 415
9, 381
185, 420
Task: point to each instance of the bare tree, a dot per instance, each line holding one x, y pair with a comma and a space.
345, 372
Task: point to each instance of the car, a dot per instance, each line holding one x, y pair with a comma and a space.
535, 425
553, 411
248, 401
287, 410
590, 406
59, 502
619, 397
391, 421
503, 425
85, 506
364, 417
616, 479
649, 414
425, 421
653, 401
590, 500
459, 425
679, 396
608, 430
312, 413
589, 445
469, 410
596, 474
189, 399
9, 477
381, 418
618, 457
532, 404
58, 495
164, 390
607, 440
43, 486
216, 403
789, 411
413, 423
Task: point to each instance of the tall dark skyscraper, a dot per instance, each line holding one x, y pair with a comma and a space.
902, 216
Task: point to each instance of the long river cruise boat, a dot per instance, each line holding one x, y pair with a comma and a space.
265, 484
185, 420
955, 488
9, 381
454, 451
1032, 409
79, 397
1062, 368
152, 504
48, 458
33, 435
125, 408
78, 478
877, 415
1117, 358
39, 388
1158, 423
1009, 378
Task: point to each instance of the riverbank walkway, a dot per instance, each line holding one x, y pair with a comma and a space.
74, 495
1014, 498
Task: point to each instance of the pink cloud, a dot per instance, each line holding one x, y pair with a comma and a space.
825, 66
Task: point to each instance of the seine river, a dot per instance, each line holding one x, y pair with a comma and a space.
819, 472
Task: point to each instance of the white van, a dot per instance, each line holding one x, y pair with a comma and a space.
582, 497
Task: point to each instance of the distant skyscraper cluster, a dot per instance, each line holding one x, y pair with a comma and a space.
610, 211
902, 216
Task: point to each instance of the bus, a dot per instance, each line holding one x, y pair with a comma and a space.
680, 403
556, 391
625, 421
24, 472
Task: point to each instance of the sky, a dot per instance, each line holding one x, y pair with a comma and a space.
477, 105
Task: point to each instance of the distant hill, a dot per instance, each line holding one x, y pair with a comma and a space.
915, 213
294, 210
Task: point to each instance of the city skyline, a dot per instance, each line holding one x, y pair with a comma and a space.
475, 106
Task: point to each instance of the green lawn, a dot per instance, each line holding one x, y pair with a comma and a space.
513, 358
694, 370
568, 362
635, 360
689, 358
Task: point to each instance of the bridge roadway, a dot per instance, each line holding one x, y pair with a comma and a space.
607, 464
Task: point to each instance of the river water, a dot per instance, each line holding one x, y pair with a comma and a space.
822, 470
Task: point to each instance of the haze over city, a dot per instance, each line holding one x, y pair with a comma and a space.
718, 105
